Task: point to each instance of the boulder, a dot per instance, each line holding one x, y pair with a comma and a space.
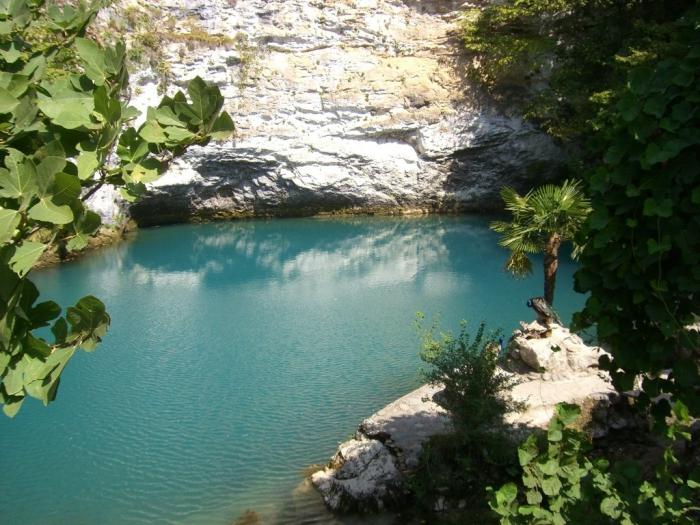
367, 472
362, 476
554, 351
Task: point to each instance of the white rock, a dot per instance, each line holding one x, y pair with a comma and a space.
358, 104
560, 354
362, 477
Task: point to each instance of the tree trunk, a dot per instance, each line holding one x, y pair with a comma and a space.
551, 263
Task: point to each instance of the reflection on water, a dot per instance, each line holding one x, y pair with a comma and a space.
241, 353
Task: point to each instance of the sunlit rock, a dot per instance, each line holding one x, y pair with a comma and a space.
338, 105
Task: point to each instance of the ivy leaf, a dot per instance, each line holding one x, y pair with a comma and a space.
87, 163
8, 101
153, 133
93, 60
19, 180
47, 211
68, 108
66, 188
9, 220
223, 127
26, 255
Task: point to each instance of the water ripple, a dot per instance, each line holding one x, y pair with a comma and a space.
240, 354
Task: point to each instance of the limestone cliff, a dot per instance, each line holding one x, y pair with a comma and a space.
339, 104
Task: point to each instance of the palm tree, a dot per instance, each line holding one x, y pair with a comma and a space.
542, 220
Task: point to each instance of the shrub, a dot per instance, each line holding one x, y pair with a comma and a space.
476, 394
560, 484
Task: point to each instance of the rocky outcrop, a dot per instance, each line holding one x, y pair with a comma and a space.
368, 472
349, 104
554, 351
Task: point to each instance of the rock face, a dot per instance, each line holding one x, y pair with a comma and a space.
368, 472
347, 104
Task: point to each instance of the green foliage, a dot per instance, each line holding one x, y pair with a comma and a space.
564, 61
541, 220
640, 265
477, 396
560, 484
62, 137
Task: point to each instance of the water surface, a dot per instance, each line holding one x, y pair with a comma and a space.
239, 354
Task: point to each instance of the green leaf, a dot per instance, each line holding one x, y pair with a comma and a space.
551, 486
178, 135
8, 102
9, 220
109, 107
25, 256
66, 188
528, 451
507, 494
68, 108
47, 211
93, 60
661, 208
568, 413
87, 163
165, 116
153, 133
19, 180
655, 105
11, 407
148, 170
609, 507
223, 127
44, 312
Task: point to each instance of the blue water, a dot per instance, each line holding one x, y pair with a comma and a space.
239, 354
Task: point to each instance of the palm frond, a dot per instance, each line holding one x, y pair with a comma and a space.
519, 264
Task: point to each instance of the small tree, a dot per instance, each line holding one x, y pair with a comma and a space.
541, 221
66, 129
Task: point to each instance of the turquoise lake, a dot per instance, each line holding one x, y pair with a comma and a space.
240, 354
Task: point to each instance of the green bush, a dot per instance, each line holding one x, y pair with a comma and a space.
564, 61
479, 451
640, 264
561, 484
